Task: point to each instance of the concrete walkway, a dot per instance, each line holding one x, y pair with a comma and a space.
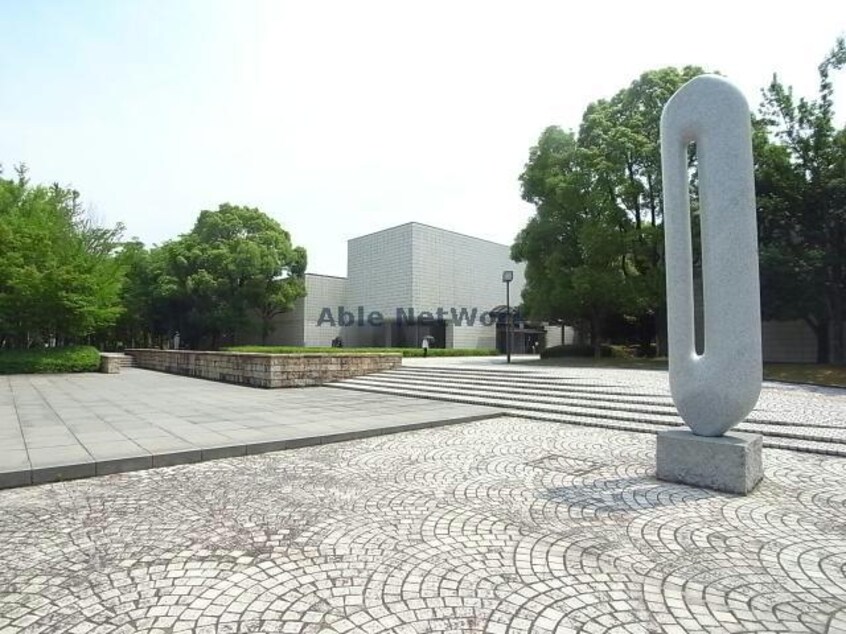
55, 427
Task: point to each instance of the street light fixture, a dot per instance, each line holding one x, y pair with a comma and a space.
507, 277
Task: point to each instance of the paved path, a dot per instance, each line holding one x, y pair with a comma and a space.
63, 426
508, 525
798, 417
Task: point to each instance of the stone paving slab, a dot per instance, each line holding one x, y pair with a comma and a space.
55, 427
501, 526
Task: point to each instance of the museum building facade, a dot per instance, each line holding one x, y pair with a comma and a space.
413, 281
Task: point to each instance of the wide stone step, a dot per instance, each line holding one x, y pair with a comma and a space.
520, 379
125, 361
781, 434
538, 393
791, 444
461, 396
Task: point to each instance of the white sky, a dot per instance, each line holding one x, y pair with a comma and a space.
342, 118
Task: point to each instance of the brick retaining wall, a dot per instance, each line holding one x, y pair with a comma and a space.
264, 370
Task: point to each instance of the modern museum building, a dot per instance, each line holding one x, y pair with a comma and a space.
414, 281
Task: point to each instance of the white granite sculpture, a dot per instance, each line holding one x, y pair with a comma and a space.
717, 389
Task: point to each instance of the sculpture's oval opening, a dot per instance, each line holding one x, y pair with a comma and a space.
696, 249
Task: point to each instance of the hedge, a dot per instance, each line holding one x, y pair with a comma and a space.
50, 360
585, 351
406, 352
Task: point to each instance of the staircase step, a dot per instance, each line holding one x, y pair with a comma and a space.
126, 361
457, 396
538, 392
560, 399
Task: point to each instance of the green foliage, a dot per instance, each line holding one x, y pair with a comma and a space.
555, 352
594, 245
801, 187
58, 277
44, 360
235, 261
406, 352
605, 351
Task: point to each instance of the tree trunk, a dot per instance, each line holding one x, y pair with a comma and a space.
594, 334
823, 344
661, 337
652, 204
837, 344
635, 202
821, 332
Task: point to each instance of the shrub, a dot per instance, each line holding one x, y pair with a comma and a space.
406, 352
576, 351
50, 360
449, 352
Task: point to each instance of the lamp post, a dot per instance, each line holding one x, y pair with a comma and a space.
507, 276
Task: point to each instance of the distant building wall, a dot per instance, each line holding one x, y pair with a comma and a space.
452, 270
323, 291
422, 268
287, 328
379, 270
554, 335
477, 336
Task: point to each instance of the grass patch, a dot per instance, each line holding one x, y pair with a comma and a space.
814, 374
634, 363
605, 351
830, 375
50, 360
406, 352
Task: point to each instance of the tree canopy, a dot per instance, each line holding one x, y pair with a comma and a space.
594, 246
64, 279
235, 263
59, 281
801, 188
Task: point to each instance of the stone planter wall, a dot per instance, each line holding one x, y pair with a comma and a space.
110, 363
263, 370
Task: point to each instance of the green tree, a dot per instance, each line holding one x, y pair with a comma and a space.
594, 246
59, 279
574, 246
620, 137
801, 192
236, 260
136, 327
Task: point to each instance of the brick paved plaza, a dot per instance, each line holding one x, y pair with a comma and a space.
546, 519
507, 525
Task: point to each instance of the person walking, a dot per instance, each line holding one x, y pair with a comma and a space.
425, 346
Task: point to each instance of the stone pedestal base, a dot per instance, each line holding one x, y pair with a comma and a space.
731, 462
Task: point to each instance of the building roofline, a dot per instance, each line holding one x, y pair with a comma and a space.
423, 224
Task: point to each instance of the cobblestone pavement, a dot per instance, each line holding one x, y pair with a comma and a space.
504, 525
799, 417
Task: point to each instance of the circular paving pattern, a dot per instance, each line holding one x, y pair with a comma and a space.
505, 525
